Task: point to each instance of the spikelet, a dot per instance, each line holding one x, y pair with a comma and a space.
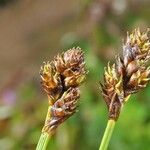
51, 81
136, 52
71, 66
112, 91
62, 109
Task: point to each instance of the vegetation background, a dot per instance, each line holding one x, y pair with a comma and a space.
34, 31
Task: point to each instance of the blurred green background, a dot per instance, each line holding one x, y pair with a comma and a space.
34, 31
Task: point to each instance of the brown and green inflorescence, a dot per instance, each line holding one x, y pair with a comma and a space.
61, 79
129, 74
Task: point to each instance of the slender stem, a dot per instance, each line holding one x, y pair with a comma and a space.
45, 137
43, 141
107, 135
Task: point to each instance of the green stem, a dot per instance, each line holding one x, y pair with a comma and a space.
45, 137
43, 141
107, 135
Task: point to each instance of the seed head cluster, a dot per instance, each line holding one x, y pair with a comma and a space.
129, 74
60, 80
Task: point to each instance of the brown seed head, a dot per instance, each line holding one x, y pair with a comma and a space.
60, 80
130, 74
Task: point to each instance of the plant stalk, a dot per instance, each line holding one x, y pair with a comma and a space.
45, 137
107, 134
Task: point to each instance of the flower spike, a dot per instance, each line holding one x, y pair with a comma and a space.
60, 80
129, 74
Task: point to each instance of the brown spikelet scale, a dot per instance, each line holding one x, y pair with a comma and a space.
129, 74
61, 79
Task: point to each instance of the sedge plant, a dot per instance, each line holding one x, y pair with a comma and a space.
126, 76
61, 79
